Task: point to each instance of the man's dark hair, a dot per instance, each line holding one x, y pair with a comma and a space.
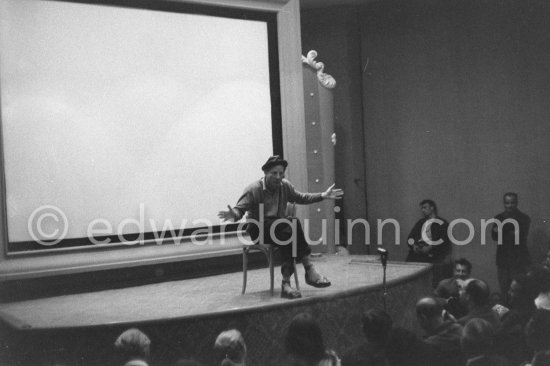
464, 262
377, 325
429, 202
304, 339
510, 194
479, 292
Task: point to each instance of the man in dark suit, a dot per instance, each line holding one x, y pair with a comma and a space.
511, 233
429, 242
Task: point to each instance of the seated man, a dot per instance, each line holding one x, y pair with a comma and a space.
449, 288
266, 200
428, 241
476, 296
442, 334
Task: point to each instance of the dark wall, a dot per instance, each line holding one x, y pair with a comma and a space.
455, 107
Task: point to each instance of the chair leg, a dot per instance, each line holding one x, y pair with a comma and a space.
295, 274
271, 272
245, 268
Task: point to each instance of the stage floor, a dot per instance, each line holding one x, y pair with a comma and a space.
199, 297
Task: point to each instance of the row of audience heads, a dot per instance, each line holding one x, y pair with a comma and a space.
303, 340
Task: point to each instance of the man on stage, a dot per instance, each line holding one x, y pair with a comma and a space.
266, 200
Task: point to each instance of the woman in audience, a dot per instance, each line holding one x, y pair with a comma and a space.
304, 344
132, 348
231, 345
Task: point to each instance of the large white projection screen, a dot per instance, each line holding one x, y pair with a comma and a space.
129, 115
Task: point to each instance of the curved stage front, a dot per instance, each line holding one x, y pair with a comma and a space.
183, 318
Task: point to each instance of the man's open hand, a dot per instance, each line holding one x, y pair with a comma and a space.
228, 215
333, 193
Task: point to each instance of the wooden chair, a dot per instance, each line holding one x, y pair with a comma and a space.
269, 251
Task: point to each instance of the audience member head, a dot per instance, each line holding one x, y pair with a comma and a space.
476, 293
462, 269
537, 331
132, 344
231, 344
429, 313
304, 339
428, 208
510, 201
477, 337
522, 292
377, 325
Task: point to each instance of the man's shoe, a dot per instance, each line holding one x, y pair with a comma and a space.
315, 279
288, 292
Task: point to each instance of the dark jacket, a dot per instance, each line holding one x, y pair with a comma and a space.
438, 253
509, 254
444, 345
484, 312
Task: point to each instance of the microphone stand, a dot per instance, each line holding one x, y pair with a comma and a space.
384, 259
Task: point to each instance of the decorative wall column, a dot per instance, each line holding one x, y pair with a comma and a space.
320, 142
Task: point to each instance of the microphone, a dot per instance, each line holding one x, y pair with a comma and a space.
384, 259
383, 255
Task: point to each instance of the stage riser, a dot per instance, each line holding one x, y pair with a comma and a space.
263, 329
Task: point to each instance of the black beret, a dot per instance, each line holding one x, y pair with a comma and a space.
273, 161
